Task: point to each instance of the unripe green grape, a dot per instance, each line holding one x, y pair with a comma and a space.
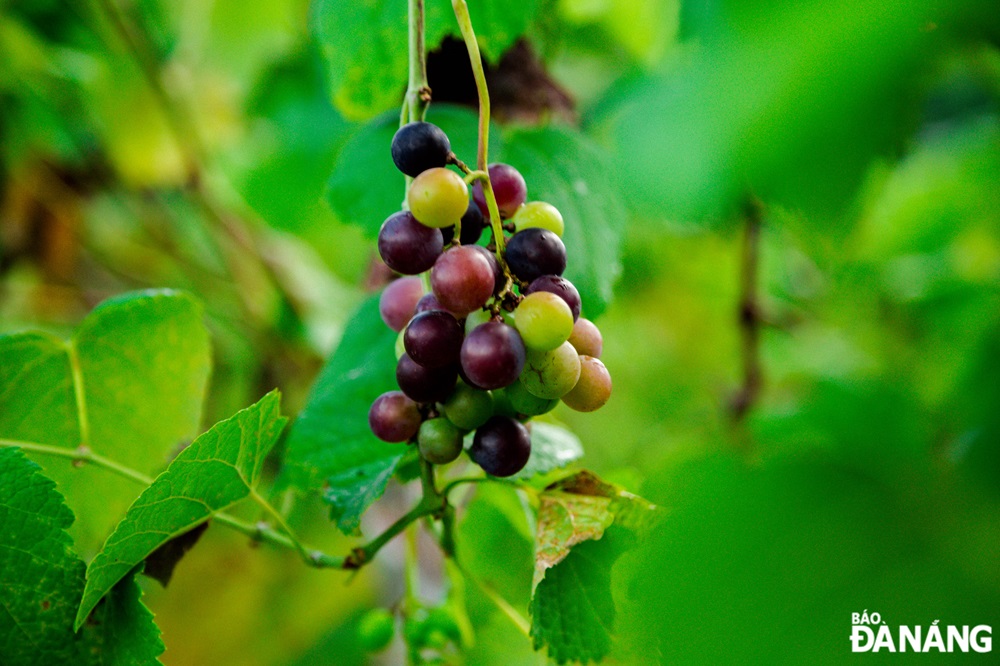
586, 338
475, 318
502, 405
438, 197
593, 389
524, 402
539, 214
400, 347
551, 374
544, 321
468, 407
375, 630
439, 440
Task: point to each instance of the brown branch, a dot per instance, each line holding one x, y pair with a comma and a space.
749, 311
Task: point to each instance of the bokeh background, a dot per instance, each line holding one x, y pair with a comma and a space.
804, 336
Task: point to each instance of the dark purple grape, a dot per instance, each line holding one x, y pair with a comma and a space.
493, 355
559, 286
499, 281
509, 189
473, 224
462, 279
393, 417
406, 246
425, 384
535, 252
501, 446
428, 303
419, 146
399, 301
434, 339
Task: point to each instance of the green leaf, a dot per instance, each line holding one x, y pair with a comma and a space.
41, 580
330, 447
571, 607
220, 468
129, 385
552, 447
365, 160
568, 171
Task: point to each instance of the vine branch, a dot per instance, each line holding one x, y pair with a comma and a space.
749, 311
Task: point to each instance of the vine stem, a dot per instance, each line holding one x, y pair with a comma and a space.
749, 310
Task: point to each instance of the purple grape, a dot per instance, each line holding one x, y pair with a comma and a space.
473, 224
406, 246
399, 302
509, 189
419, 146
429, 303
434, 339
422, 384
501, 446
462, 279
559, 286
493, 355
499, 281
535, 252
393, 417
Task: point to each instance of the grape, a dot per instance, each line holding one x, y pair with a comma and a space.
433, 339
375, 630
429, 303
468, 407
499, 281
509, 189
462, 279
419, 146
439, 440
476, 318
593, 389
399, 301
533, 253
559, 286
502, 405
551, 374
438, 197
400, 345
473, 224
541, 215
493, 355
501, 446
424, 384
586, 338
393, 417
406, 246
523, 402
543, 320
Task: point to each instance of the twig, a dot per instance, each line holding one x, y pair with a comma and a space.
749, 311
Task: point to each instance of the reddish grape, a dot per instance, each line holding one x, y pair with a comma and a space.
535, 252
509, 189
593, 389
501, 446
393, 417
429, 303
586, 338
399, 301
433, 339
559, 286
499, 281
462, 279
406, 246
493, 355
424, 384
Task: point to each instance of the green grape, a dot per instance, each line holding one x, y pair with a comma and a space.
593, 389
438, 198
400, 347
375, 630
468, 407
524, 402
475, 318
539, 214
544, 321
551, 374
439, 440
502, 405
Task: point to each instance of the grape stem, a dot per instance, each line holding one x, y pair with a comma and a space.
418, 92
749, 311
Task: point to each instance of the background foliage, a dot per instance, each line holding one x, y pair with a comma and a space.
239, 152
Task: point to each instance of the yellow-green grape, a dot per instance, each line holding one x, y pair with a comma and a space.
468, 407
375, 630
525, 403
543, 320
439, 440
400, 348
593, 389
438, 197
475, 318
551, 374
539, 214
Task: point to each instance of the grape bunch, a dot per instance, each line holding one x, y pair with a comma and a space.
498, 338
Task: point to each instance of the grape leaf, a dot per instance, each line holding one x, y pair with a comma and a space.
365, 159
41, 580
220, 468
552, 447
366, 46
330, 447
571, 606
566, 170
133, 375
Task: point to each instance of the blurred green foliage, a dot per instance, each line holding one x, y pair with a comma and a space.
866, 475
